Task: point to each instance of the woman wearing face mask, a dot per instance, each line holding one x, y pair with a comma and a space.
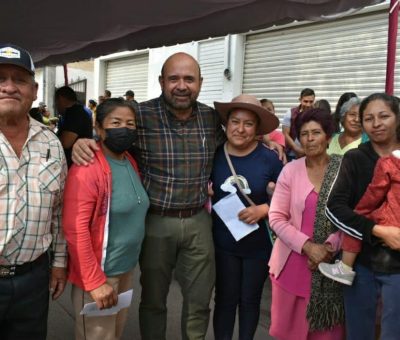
105, 206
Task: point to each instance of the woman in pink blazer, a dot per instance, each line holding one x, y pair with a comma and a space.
304, 304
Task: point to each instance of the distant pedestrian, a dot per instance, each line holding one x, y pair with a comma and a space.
75, 123
130, 96
336, 115
93, 106
107, 94
293, 147
276, 135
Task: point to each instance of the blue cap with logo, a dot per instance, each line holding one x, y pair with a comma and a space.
15, 55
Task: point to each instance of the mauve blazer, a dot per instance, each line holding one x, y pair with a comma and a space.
285, 214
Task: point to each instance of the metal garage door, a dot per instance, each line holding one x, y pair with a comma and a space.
130, 73
211, 60
331, 57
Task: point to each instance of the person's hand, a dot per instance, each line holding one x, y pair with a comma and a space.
82, 153
312, 265
390, 235
210, 189
58, 278
104, 296
317, 253
329, 247
271, 188
253, 214
278, 148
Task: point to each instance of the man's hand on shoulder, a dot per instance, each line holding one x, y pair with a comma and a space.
82, 151
278, 148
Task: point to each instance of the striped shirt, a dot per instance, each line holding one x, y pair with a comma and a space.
31, 189
175, 156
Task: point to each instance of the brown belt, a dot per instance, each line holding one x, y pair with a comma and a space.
19, 269
181, 213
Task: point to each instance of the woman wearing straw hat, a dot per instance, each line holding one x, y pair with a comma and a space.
241, 265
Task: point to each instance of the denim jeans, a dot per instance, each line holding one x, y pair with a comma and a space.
361, 301
239, 283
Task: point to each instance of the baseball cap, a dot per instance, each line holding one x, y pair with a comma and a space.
42, 104
129, 93
15, 55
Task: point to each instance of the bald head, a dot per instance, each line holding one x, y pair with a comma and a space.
180, 82
180, 57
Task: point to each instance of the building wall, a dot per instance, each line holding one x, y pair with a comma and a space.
345, 55
198, 49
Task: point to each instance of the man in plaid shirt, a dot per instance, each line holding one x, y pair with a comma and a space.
177, 139
32, 174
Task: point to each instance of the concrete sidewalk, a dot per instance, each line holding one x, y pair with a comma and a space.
61, 318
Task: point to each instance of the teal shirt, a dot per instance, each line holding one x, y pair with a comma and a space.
129, 205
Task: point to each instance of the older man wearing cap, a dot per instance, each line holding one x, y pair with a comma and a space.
32, 174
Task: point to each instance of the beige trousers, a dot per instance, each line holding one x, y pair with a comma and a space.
100, 327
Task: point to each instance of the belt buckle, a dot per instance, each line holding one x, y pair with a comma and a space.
7, 271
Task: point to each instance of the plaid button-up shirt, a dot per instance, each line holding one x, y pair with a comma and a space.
31, 189
175, 156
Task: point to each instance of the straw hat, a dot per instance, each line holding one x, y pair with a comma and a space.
268, 121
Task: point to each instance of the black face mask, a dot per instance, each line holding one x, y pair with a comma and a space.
119, 140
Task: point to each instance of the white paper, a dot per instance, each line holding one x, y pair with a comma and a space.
124, 301
228, 209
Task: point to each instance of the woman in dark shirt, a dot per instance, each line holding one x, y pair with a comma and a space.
378, 265
241, 266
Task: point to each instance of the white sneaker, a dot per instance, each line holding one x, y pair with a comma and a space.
337, 272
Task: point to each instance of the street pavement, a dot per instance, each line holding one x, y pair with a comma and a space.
61, 316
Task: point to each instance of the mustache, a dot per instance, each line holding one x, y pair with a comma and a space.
182, 93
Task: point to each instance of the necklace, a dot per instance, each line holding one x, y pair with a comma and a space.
134, 186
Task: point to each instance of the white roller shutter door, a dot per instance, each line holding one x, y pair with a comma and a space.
331, 58
130, 73
211, 60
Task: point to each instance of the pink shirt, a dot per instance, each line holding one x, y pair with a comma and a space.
278, 137
286, 214
295, 277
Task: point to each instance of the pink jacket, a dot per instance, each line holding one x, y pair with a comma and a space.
286, 211
86, 208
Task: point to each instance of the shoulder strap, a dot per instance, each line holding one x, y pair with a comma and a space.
228, 159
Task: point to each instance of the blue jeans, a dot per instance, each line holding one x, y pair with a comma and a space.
361, 303
239, 283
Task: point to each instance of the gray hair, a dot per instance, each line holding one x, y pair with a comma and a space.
348, 105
